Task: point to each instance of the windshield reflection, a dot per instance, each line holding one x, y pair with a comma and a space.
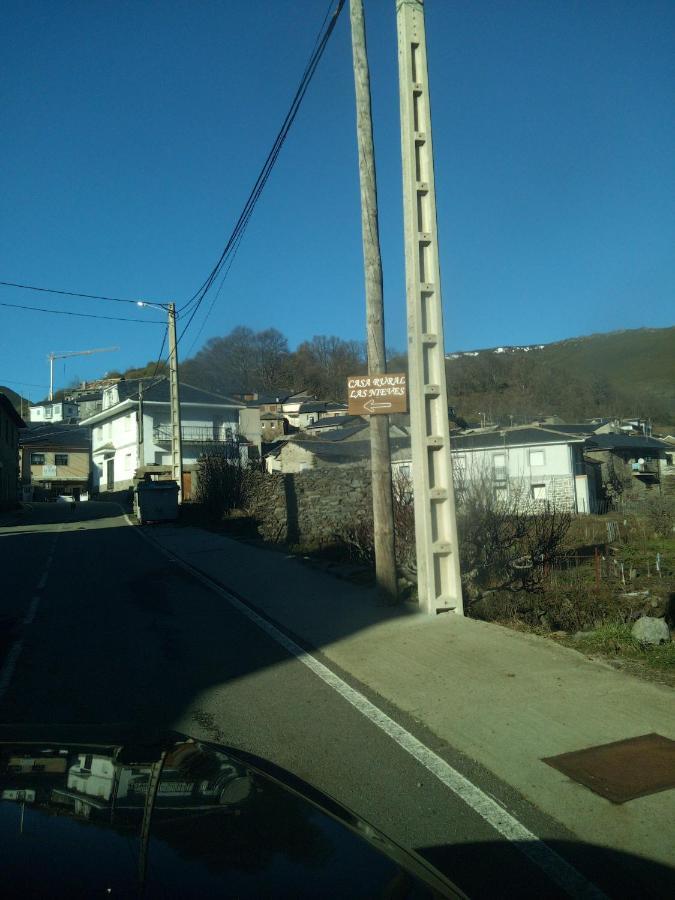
181, 818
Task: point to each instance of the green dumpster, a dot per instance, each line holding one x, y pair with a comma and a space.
156, 501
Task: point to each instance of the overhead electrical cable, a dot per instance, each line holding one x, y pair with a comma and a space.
45, 290
68, 312
232, 244
237, 234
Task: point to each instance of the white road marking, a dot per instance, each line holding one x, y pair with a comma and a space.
9, 665
537, 851
32, 609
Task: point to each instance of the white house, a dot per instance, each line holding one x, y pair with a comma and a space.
61, 411
133, 429
532, 464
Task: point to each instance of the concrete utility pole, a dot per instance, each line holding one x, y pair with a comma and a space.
383, 513
438, 576
176, 435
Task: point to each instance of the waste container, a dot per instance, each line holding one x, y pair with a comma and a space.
156, 501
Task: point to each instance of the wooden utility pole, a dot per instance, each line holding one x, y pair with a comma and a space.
176, 436
438, 576
383, 513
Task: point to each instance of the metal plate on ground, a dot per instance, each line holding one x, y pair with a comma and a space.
622, 770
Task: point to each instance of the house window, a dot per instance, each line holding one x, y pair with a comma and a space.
37, 459
501, 492
61, 459
499, 466
537, 457
538, 491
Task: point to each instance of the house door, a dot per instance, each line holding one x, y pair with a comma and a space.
217, 428
187, 486
110, 474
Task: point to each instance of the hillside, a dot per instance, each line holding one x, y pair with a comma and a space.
15, 398
621, 373
618, 373
641, 360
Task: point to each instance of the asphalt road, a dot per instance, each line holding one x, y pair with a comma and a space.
114, 633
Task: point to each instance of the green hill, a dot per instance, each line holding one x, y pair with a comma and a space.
637, 361
621, 373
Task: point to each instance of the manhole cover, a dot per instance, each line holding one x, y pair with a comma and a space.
623, 770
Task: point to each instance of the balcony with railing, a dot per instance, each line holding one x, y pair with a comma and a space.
197, 434
648, 467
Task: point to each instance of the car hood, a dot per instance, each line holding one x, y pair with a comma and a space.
106, 811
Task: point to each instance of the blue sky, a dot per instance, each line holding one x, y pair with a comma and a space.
133, 131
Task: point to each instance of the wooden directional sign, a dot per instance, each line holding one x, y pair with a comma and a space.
373, 395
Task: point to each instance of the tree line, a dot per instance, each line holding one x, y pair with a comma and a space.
502, 388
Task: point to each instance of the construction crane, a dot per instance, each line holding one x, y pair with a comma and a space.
66, 355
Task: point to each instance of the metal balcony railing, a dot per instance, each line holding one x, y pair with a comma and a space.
197, 434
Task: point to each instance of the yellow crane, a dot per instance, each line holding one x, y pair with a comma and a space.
66, 355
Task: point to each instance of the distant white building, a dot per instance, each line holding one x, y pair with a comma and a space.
533, 465
133, 430
57, 411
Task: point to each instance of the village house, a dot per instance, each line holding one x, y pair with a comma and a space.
54, 411
645, 461
55, 461
273, 425
10, 423
531, 464
299, 455
132, 433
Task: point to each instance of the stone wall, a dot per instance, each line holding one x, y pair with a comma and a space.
310, 507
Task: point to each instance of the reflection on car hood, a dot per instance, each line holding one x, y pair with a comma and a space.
102, 812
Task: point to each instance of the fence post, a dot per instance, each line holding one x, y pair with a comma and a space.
597, 569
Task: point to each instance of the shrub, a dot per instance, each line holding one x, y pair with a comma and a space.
223, 480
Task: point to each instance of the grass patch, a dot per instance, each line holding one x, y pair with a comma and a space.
614, 640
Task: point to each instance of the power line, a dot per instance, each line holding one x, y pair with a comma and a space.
161, 350
22, 383
237, 233
68, 312
46, 290
235, 237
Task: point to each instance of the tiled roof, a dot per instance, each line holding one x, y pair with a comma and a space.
515, 437
330, 422
56, 435
350, 451
624, 442
158, 392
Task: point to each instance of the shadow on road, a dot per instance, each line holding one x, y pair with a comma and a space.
122, 634
618, 874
